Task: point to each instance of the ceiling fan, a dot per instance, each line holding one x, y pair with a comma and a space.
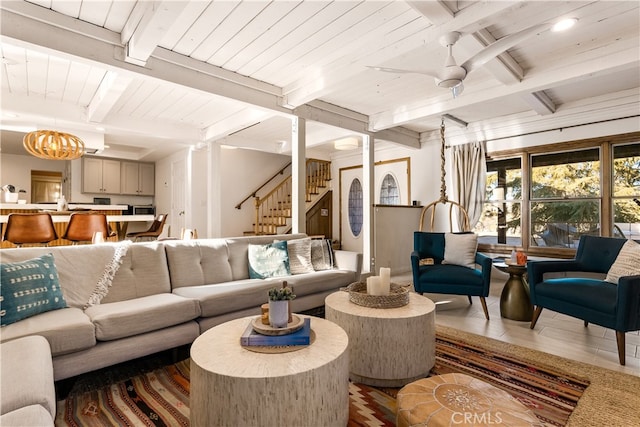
451, 75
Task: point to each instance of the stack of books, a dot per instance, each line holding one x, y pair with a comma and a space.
300, 337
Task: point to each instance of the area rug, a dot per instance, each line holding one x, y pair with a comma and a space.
559, 391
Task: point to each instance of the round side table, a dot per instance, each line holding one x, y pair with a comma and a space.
233, 386
515, 303
388, 347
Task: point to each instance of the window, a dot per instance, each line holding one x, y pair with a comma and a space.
565, 197
355, 207
500, 221
544, 198
389, 194
626, 191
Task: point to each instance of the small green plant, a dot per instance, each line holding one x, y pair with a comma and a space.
281, 294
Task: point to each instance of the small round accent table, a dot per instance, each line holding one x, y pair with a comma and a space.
515, 303
232, 386
388, 347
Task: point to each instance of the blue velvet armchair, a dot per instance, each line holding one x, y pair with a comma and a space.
593, 300
448, 278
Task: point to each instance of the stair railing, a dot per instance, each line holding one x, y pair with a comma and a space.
272, 210
264, 184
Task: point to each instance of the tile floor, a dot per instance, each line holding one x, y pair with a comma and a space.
554, 333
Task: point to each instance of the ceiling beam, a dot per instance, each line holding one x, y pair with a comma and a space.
111, 88
145, 29
437, 12
540, 102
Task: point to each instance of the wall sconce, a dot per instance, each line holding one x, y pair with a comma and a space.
350, 143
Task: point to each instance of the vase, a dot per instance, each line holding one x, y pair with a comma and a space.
278, 313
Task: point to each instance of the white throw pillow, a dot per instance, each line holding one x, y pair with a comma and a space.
627, 262
300, 255
460, 249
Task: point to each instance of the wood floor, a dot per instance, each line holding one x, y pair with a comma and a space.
554, 333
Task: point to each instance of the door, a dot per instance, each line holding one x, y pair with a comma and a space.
320, 218
351, 209
178, 193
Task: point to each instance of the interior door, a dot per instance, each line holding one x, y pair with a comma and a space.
178, 194
351, 209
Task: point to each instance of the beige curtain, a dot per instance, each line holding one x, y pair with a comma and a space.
469, 178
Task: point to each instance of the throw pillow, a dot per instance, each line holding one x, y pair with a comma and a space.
460, 249
28, 288
627, 262
299, 255
270, 260
322, 254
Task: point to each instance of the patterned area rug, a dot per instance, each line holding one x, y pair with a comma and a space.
161, 397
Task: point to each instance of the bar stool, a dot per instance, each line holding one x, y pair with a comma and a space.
153, 232
33, 228
84, 225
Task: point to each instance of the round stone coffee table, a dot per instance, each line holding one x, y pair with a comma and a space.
233, 386
388, 347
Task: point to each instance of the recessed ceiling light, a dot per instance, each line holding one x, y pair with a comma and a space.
565, 24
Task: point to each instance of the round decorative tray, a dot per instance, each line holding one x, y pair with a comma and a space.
398, 296
296, 324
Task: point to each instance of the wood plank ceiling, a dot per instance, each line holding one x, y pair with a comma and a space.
162, 75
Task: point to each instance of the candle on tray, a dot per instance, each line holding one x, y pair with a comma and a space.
385, 280
374, 285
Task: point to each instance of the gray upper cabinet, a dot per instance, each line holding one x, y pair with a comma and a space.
100, 175
137, 179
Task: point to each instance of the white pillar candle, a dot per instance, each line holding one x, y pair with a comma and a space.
385, 280
374, 286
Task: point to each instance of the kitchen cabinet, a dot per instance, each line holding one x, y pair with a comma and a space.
100, 175
137, 178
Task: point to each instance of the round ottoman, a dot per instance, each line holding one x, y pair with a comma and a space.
460, 400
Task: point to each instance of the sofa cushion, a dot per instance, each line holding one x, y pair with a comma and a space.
28, 288
460, 249
132, 317
67, 330
198, 262
28, 416
270, 260
595, 294
299, 251
322, 256
221, 298
320, 281
27, 375
627, 262
143, 271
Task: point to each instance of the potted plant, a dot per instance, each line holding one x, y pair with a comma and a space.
279, 305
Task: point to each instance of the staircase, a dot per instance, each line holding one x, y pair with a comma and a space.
273, 211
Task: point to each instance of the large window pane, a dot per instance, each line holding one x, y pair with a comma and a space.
389, 194
626, 191
566, 175
560, 223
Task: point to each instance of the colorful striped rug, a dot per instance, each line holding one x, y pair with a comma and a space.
161, 397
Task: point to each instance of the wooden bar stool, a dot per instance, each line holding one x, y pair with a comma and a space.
29, 228
83, 226
153, 232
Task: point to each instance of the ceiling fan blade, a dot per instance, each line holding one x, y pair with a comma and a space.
501, 46
431, 73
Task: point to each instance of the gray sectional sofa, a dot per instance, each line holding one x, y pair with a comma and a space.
128, 300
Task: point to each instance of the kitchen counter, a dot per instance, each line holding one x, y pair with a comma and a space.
53, 206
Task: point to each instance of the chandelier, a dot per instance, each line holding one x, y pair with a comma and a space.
53, 145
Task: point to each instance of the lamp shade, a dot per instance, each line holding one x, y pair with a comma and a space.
53, 145
350, 143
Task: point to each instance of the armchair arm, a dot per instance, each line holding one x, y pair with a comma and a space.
537, 269
628, 304
486, 264
415, 265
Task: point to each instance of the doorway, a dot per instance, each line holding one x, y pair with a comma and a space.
46, 186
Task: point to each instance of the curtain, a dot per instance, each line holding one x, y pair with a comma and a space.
469, 178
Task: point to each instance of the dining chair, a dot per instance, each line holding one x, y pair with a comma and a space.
30, 228
83, 226
154, 230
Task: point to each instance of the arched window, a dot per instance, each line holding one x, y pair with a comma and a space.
355, 207
389, 194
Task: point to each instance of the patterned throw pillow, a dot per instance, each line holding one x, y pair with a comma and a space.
460, 249
28, 288
627, 262
322, 254
300, 255
271, 260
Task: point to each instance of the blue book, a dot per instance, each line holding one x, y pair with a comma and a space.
299, 337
